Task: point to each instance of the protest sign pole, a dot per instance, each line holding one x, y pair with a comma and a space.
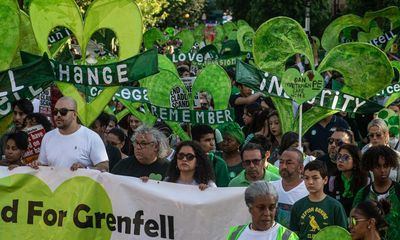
300, 147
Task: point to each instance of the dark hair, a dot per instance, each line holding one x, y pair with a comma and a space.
253, 108
252, 146
288, 139
262, 140
203, 172
376, 210
348, 132
119, 133
274, 141
104, 119
371, 157
360, 177
113, 118
199, 130
24, 105
317, 165
40, 119
259, 121
20, 138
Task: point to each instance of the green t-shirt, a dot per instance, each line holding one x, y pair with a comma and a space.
220, 170
241, 181
235, 170
308, 218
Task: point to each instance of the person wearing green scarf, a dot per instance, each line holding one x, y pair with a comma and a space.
233, 137
350, 178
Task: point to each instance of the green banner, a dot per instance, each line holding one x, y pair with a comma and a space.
25, 81
131, 94
386, 37
193, 116
330, 99
113, 74
59, 35
389, 90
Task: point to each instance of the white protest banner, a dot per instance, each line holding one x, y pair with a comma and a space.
54, 203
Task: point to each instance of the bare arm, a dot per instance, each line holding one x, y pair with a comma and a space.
248, 100
102, 167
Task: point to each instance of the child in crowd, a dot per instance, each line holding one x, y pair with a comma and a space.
16, 145
317, 210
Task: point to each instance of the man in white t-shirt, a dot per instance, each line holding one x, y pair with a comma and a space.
291, 187
71, 145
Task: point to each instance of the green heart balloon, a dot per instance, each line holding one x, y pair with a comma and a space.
360, 64
214, 80
300, 87
330, 38
332, 233
28, 42
153, 36
156, 177
48, 14
276, 41
186, 36
9, 32
198, 33
245, 36
28, 189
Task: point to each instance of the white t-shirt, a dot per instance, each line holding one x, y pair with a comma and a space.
84, 146
270, 234
287, 199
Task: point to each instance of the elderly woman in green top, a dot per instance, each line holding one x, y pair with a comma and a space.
262, 200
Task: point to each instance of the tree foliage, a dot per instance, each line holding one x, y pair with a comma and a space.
359, 7
184, 12
256, 12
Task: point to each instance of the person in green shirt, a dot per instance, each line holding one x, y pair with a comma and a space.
253, 161
317, 210
204, 135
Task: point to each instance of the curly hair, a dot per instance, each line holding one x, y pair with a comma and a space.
203, 172
371, 157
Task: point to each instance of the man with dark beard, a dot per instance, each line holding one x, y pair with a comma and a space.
291, 187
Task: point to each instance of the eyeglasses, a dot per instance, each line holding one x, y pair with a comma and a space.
343, 158
188, 156
142, 144
338, 142
372, 135
354, 221
62, 111
254, 161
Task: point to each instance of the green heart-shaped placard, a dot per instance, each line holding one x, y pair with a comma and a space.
67, 197
300, 87
9, 32
156, 177
48, 14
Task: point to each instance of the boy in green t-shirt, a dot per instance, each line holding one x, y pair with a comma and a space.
312, 213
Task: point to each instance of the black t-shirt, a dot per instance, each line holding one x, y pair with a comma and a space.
131, 167
239, 109
114, 155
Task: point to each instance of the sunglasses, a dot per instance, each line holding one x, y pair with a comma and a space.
338, 142
188, 156
343, 158
372, 135
354, 221
254, 161
62, 111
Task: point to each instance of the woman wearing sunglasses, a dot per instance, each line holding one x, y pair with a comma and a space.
349, 179
190, 166
378, 134
366, 220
